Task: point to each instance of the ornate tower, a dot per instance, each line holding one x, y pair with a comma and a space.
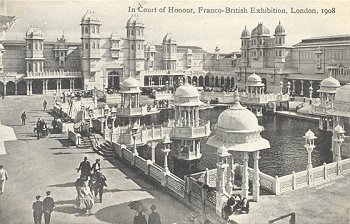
258, 47
35, 50
150, 53
189, 58
135, 35
90, 40
280, 35
61, 52
169, 52
245, 37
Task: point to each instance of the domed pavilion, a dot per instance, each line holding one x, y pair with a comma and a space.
238, 132
328, 89
188, 129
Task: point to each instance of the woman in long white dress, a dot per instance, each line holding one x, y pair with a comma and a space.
85, 199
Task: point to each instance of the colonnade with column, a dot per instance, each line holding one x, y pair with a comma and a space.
45, 89
225, 184
130, 100
187, 116
303, 83
255, 90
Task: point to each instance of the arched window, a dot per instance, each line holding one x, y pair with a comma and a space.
86, 46
86, 30
98, 45
132, 47
30, 67
97, 29
93, 45
93, 29
139, 32
36, 46
280, 40
29, 46
138, 46
82, 30
132, 32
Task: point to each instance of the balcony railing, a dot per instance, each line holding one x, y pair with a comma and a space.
58, 74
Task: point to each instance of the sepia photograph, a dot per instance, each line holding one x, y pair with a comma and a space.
174, 112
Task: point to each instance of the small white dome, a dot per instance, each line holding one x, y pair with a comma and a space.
130, 82
238, 118
338, 130
279, 29
90, 17
254, 78
330, 82
186, 90
33, 32
134, 20
343, 94
245, 33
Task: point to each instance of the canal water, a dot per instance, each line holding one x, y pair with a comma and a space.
287, 152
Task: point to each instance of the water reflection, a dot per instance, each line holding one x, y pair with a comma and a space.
287, 152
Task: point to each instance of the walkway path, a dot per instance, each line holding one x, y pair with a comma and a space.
35, 166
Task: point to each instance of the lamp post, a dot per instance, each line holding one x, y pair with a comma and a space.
91, 114
166, 149
134, 133
309, 145
338, 139
106, 113
114, 117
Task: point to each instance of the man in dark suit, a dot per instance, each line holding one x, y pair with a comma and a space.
38, 128
96, 167
48, 206
100, 183
37, 210
85, 168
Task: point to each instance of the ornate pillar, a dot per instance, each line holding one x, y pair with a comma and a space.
293, 81
73, 84
233, 172
229, 185
44, 90
302, 87
31, 87
60, 85
16, 89
245, 180
256, 184
28, 86
197, 116
193, 117
46, 84
153, 153
5, 89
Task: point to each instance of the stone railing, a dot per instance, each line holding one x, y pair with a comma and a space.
167, 179
163, 96
185, 132
56, 74
142, 137
132, 111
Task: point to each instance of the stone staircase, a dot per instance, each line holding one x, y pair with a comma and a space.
85, 142
105, 149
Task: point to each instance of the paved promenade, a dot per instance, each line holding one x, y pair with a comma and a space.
35, 166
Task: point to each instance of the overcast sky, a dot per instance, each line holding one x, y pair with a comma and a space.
204, 30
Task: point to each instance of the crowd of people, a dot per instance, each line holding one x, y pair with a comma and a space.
89, 185
236, 203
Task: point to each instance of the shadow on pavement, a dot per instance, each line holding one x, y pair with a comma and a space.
119, 190
67, 209
65, 142
63, 185
65, 202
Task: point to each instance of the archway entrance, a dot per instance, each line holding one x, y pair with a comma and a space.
200, 81
10, 88
37, 86
22, 88
113, 80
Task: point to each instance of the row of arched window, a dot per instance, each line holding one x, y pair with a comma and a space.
36, 45
133, 32
94, 45
93, 28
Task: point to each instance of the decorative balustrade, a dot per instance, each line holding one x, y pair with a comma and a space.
156, 172
141, 163
192, 132
176, 184
55, 74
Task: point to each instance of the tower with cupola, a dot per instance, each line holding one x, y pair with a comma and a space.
150, 52
135, 35
34, 50
90, 40
258, 45
245, 42
280, 54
